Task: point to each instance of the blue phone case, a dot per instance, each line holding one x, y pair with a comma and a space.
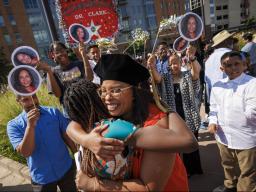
119, 129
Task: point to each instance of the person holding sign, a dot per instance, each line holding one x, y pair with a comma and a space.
39, 134
62, 76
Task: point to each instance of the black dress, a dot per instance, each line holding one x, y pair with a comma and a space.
192, 160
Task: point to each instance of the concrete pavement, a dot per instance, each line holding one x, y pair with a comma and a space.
15, 176
210, 159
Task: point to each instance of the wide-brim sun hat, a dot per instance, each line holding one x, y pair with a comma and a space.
221, 36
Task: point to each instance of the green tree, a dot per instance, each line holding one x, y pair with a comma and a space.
5, 67
138, 46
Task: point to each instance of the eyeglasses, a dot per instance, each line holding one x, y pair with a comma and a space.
115, 92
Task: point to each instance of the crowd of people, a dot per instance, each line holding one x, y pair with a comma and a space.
162, 154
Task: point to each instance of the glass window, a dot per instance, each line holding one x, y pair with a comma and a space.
152, 22
7, 39
30, 4
40, 36
219, 27
125, 24
150, 9
225, 16
211, 1
34, 3
219, 17
1, 21
11, 19
218, 7
6, 2
212, 10
123, 11
35, 20
134, 22
212, 20
225, 7
138, 10
225, 26
18, 38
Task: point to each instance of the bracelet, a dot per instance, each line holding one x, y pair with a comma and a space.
192, 60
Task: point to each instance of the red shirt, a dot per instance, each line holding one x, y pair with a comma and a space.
178, 180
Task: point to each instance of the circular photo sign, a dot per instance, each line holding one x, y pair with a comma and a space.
191, 26
24, 80
25, 55
79, 33
180, 44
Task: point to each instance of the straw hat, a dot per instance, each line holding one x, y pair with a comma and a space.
220, 37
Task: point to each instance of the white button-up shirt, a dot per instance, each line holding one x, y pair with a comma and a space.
233, 110
212, 69
96, 78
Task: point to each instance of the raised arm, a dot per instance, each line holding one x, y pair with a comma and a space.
151, 63
50, 77
195, 66
87, 67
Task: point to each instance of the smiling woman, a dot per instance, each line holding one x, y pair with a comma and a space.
25, 55
24, 80
78, 33
191, 26
157, 168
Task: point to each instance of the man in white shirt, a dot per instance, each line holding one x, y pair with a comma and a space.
93, 53
232, 119
222, 43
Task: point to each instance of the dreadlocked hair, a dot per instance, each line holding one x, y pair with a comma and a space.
84, 106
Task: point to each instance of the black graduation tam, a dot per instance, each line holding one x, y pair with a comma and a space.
122, 68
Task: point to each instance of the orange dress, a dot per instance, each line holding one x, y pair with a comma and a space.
178, 180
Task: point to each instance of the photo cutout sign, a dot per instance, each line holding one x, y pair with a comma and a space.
24, 80
180, 45
79, 33
191, 26
99, 18
25, 55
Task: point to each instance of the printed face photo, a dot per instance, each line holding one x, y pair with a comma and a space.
180, 44
25, 55
191, 26
79, 33
24, 80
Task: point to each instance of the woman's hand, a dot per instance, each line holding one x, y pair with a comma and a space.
190, 52
81, 49
151, 63
212, 128
104, 148
41, 65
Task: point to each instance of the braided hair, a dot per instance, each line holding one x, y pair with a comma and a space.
84, 106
